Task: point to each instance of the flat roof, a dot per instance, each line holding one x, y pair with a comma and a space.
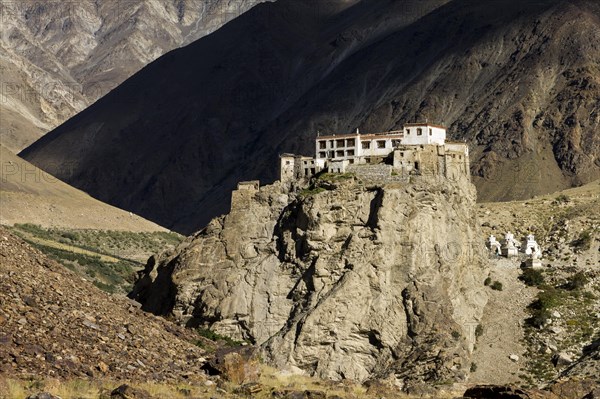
425, 124
360, 135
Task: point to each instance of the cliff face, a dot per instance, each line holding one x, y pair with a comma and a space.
344, 281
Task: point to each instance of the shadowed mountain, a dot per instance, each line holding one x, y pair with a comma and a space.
30, 195
518, 80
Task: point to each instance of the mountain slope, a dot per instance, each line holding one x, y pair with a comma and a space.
56, 58
54, 324
30, 195
518, 80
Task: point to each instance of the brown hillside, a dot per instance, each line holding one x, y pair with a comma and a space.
54, 324
30, 195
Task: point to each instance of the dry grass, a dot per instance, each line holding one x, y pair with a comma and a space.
86, 389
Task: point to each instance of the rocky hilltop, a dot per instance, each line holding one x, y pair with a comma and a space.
343, 280
517, 79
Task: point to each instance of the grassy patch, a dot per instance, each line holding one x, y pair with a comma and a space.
216, 337
108, 259
307, 192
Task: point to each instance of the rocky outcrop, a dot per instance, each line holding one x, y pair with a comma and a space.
343, 280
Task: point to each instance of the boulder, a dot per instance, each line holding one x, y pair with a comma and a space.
128, 392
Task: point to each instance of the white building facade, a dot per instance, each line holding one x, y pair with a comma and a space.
359, 148
418, 148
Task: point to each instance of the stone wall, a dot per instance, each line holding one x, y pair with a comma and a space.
377, 173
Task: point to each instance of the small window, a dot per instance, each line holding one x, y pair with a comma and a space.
430, 132
322, 155
350, 153
419, 131
331, 143
350, 143
381, 144
395, 143
407, 131
351, 161
331, 154
339, 154
402, 154
416, 165
322, 144
340, 143
366, 145
367, 160
288, 162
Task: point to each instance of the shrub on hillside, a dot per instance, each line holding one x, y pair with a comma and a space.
583, 242
578, 281
532, 277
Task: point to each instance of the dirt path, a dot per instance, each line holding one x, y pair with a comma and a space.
502, 327
71, 248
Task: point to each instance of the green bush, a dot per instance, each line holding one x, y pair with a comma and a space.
532, 277
487, 281
479, 330
546, 300
307, 192
473, 367
496, 285
578, 281
549, 298
213, 336
583, 242
562, 199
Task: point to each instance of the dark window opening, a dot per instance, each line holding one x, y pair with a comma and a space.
419, 131
322, 145
381, 144
366, 145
